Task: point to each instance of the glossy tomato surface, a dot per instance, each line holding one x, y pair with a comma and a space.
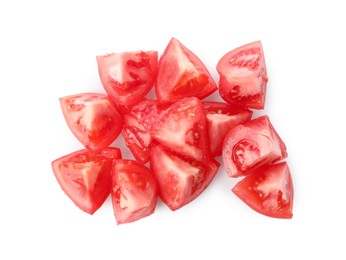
134, 191
180, 180
136, 130
93, 119
128, 76
221, 117
85, 177
182, 74
251, 145
268, 191
182, 128
243, 76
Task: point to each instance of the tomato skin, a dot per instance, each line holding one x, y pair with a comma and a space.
268, 191
93, 119
136, 128
243, 76
181, 180
128, 76
182, 128
221, 117
134, 191
182, 74
250, 146
85, 177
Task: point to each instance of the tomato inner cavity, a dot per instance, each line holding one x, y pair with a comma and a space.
245, 154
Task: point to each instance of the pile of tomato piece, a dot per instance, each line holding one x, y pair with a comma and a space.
178, 133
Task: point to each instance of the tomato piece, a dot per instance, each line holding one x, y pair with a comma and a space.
112, 153
92, 118
221, 117
128, 76
268, 191
181, 180
85, 178
243, 76
182, 74
249, 146
182, 128
134, 192
137, 123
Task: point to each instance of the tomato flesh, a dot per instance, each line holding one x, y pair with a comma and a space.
221, 117
268, 191
182, 74
85, 178
128, 76
181, 180
137, 122
92, 118
182, 128
134, 191
251, 145
243, 76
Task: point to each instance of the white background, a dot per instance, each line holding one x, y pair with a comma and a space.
48, 49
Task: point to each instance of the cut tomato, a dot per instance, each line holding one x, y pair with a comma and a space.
136, 131
221, 117
182, 74
182, 128
112, 153
85, 178
180, 180
128, 76
135, 191
268, 191
243, 76
92, 118
249, 146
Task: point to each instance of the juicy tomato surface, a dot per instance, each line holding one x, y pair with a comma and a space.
243, 76
112, 153
268, 191
128, 76
85, 178
251, 145
136, 128
134, 191
180, 180
182, 74
221, 117
92, 118
182, 128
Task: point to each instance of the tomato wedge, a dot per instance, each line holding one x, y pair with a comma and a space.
249, 146
182, 74
85, 178
181, 180
136, 129
182, 128
128, 76
134, 192
221, 117
92, 118
243, 76
268, 191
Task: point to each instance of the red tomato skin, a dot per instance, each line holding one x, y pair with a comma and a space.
128, 76
182, 74
181, 180
250, 146
182, 128
134, 191
85, 177
269, 191
221, 117
92, 118
243, 76
136, 128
